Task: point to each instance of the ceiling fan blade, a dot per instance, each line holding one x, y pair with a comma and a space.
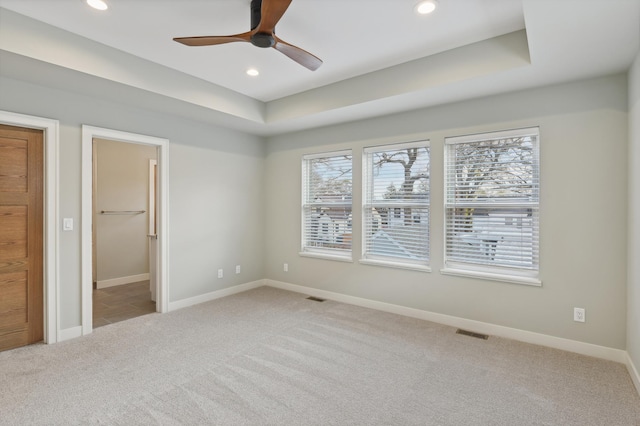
301, 56
213, 40
271, 12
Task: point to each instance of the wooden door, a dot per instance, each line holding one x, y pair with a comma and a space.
21, 230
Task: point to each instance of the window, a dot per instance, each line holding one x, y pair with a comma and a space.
396, 205
491, 205
326, 209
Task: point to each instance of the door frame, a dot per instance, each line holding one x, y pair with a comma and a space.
51, 236
162, 271
152, 230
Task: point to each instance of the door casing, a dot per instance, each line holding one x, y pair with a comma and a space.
52, 225
162, 271
152, 232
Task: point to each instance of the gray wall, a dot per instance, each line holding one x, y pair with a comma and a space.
583, 128
215, 193
233, 201
633, 295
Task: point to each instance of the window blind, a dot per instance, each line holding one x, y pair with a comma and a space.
327, 203
396, 203
492, 201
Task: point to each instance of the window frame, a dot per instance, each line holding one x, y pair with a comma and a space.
515, 275
368, 203
342, 255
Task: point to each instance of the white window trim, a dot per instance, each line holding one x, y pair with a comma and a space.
324, 154
492, 276
453, 268
386, 261
319, 252
501, 134
393, 264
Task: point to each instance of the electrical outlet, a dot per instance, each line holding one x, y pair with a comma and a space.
578, 314
286, 267
220, 273
237, 269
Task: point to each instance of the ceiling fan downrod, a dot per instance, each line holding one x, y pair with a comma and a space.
259, 39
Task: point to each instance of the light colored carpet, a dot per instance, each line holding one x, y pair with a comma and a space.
269, 356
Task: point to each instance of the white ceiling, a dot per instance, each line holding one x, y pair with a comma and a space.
379, 56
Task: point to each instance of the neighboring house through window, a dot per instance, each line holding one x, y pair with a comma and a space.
492, 205
396, 205
326, 209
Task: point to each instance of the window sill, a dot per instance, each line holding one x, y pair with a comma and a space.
513, 279
397, 265
325, 256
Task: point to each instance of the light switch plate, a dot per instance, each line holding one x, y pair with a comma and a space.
67, 224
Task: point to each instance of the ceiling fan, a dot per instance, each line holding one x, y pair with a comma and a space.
265, 14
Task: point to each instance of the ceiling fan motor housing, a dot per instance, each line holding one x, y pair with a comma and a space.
263, 40
259, 39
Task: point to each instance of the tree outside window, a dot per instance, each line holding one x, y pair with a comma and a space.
327, 195
492, 197
396, 203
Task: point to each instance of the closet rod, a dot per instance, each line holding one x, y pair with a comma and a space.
122, 211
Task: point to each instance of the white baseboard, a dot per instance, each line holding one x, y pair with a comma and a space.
588, 349
633, 372
69, 333
122, 280
184, 303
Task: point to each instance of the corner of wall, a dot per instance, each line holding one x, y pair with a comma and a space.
633, 244
633, 372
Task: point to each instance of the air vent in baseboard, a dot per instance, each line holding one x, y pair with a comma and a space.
472, 334
315, 299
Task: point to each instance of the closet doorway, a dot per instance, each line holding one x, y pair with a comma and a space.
124, 236
122, 208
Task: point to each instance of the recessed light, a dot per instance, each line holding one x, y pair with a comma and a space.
427, 6
253, 72
98, 4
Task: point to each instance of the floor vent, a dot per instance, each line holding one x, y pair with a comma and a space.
315, 299
472, 334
